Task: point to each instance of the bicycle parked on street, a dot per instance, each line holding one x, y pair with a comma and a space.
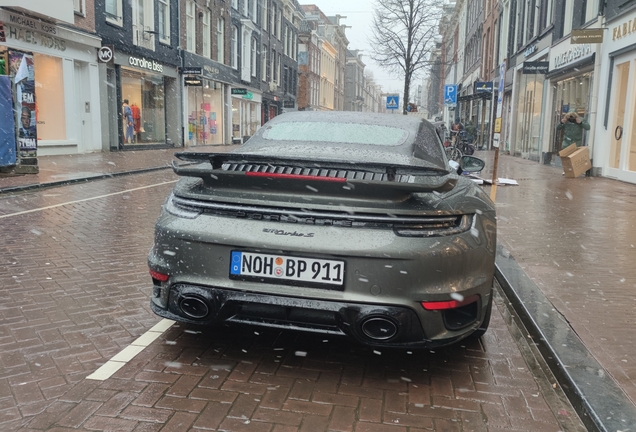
458, 146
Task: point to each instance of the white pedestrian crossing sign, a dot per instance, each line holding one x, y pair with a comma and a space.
392, 102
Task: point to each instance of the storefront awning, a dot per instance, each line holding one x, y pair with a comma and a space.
480, 95
572, 67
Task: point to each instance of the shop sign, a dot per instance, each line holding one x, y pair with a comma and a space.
530, 50
483, 87
571, 55
193, 81
624, 29
289, 104
33, 24
537, 67
248, 95
239, 91
106, 54
583, 36
191, 70
35, 37
142, 63
212, 70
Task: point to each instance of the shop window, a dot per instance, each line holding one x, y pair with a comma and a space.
571, 94
49, 97
220, 40
190, 26
205, 114
164, 21
114, 11
146, 97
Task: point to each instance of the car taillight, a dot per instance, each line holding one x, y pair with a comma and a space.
449, 304
445, 226
159, 276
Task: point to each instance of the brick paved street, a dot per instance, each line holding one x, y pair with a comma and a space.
75, 292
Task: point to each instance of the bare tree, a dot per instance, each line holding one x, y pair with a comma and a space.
403, 33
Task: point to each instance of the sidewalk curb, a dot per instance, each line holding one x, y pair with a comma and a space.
22, 188
599, 401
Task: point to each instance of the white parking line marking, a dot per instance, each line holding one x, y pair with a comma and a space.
86, 199
124, 356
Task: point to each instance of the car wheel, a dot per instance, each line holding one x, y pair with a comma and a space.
481, 330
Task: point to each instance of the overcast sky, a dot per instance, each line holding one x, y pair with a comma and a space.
359, 15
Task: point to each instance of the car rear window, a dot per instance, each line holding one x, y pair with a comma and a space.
351, 133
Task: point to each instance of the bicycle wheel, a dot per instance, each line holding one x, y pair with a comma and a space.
469, 149
454, 153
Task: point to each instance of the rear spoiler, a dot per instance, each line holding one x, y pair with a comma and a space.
330, 177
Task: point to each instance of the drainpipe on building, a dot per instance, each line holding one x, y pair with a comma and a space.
594, 106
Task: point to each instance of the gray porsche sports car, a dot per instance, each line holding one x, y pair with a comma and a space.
332, 222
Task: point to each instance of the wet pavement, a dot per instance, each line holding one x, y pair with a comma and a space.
573, 238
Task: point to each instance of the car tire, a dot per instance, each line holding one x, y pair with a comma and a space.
483, 327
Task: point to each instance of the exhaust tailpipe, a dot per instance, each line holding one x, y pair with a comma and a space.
194, 307
379, 328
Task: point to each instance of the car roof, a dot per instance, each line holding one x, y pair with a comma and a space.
420, 146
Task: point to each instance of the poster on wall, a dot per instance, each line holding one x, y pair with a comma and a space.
21, 68
7, 124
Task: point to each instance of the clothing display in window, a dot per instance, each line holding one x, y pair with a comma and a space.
136, 115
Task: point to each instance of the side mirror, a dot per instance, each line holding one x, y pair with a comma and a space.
470, 164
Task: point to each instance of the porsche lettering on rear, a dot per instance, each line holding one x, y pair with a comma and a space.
287, 233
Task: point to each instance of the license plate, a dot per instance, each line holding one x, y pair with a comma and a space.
304, 271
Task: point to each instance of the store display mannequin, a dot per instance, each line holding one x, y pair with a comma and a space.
128, 122
136, 115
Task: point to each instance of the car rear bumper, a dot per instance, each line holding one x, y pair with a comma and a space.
370, 324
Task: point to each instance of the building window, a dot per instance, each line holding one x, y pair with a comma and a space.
285, 42
220, 40
279, 21
164, 21
143, 24
190, 26
113, 11
274, 23
79, 6
278, 69
255, 10
264, 63
207, 51
235, 47
235, 4
254, 57
264, 18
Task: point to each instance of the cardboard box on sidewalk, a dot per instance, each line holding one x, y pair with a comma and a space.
575, 160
